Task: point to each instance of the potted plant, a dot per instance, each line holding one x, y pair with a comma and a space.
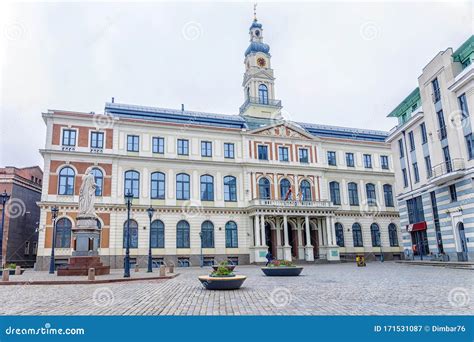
222, 279
11, 269
224, 263
282, 268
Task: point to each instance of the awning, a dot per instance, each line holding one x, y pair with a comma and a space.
417, 226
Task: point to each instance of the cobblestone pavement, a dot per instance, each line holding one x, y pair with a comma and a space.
328, 289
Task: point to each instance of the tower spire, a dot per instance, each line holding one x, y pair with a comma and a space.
255, 12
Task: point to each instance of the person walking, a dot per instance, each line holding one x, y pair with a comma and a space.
269, 257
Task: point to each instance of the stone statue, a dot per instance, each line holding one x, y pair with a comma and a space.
87, 195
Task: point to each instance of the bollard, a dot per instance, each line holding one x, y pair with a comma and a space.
18, 270
171, 269
91, 274
6, 275
162, 271
137, 269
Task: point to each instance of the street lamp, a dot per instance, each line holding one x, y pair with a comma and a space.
128, 202
380, 243
202, 260
54, 212
4, 198
150, 212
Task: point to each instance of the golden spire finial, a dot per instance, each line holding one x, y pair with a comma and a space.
255, 11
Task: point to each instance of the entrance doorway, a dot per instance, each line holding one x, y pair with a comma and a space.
271, 239
420, 243
293, 237
462, 255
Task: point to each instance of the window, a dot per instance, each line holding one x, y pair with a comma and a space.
367, 161
447, 158
230, 189
182, 234
262, 94
442, 125
357, 235
303, 155
285, 189
411, 139
183, 262
264, 188
436, 92
350, 159
331, 158
339, 234
99, 181
182, 186
207, 234
384, 162
388, 195
375, 234
157, 185
229, 150
353, 194
231, 236
233, 260
183, 147
392, 235
470, 146
132, 183
69, 137
66, 181
63, 233
158, 145
206, 149
207, 188
335, 193
133, 238
405, 177
463, 105
133, 143
424, 137
262, 152
415, 210
283, 153
452, 193
157, 234
439, 237
97, 140
400, 148
305, 189
429, 170
35, 248
371, 196
415, 172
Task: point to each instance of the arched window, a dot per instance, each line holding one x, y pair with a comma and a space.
133, 234
66, 181
207, 234
99, 181
157, 234
262, 94
207, 188
264, 188
63, 233
182, 186
182, 234
132, 183
339, 234
375, 234
392, 235
230, 189
157, 187
371, 196
231, 240
335, 193
285, 186
353, 194
357, 235
305, 189
388, 194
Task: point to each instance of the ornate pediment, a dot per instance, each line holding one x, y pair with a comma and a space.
284, 130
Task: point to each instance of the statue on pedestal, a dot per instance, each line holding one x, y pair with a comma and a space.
87, 195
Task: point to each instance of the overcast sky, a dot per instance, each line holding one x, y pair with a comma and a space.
346, 64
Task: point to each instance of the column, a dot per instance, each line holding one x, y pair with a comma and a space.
328, 231
256, 230
307, 231
320, 233
285, 231
262, 229
332, 230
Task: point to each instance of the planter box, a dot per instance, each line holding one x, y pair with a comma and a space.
279, 271
229, 267
12, 271
222, 283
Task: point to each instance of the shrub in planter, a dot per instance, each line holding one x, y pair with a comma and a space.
222, 279
224, 263
282, 268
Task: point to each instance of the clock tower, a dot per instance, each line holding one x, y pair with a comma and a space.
259, 82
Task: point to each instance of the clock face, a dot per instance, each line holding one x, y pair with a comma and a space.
261, 62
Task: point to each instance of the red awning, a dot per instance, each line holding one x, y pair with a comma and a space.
417, 226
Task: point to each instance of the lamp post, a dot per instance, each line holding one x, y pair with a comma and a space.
54, 212
126, 269
4, 198
150, 212
381, 252
202, 261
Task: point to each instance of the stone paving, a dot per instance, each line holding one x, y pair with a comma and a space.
325, 289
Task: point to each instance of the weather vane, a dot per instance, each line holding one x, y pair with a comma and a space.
255, 11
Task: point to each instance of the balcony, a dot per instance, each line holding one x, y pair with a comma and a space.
447, 171
255, 101
291, 204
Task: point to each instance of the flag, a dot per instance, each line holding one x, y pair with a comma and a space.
288, 193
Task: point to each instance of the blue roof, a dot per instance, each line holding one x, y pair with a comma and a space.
344, 132
257, 47
255, 24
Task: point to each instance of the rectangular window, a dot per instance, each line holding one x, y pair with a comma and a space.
447, 159
416, 173
35, 248
415, 210
442, 125
439, 238
97, 139
183, 147
367, 161
436, 91
69, 137
27, 248
283, 153
452, 193
384, 162
463, 105
400, 148
206, 149
229, 150
350, 159
424, 137
132, 143
405, 178
470, 146
429, 169
332, 158
262, 152
303, 155
158, 145
411, 138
